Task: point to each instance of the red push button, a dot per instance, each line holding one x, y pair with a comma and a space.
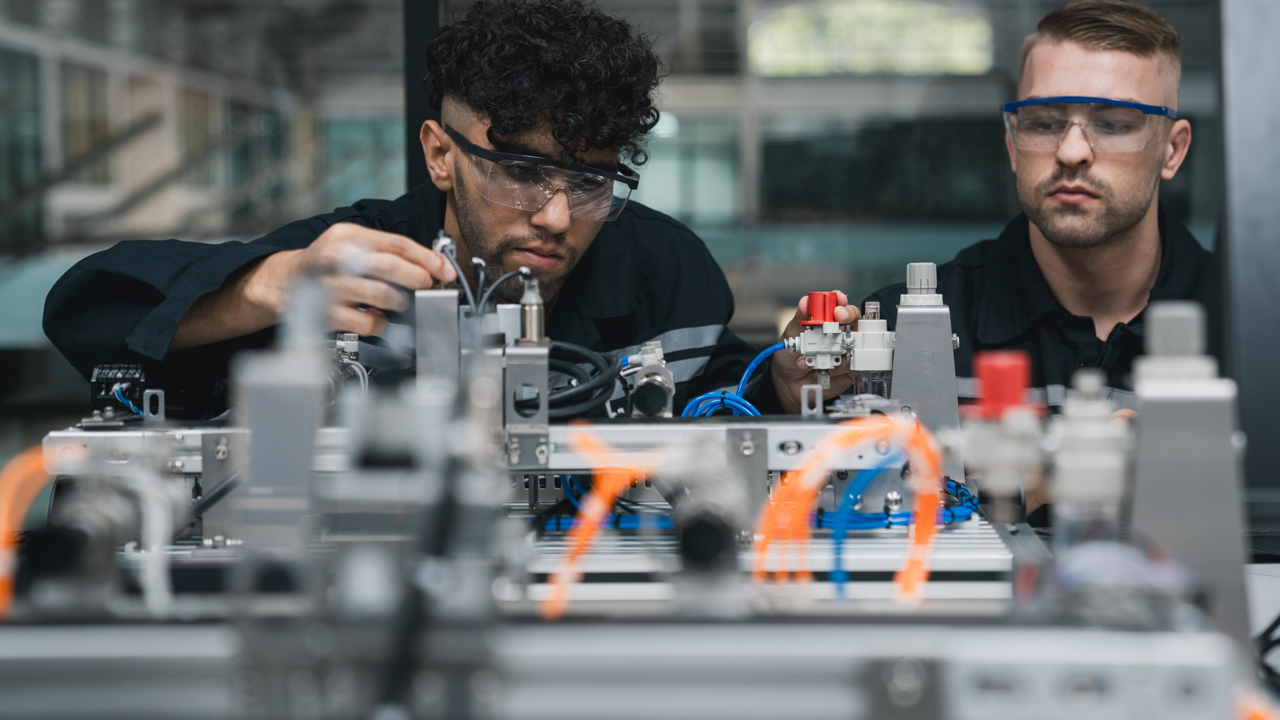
1003, 377
822, 308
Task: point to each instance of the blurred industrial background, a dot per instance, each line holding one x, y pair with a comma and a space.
811, 143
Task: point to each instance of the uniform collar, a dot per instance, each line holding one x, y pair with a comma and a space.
1015, 295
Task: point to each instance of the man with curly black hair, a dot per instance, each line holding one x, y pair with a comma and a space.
541, 103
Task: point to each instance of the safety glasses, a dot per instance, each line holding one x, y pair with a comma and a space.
1109, 126
527, 182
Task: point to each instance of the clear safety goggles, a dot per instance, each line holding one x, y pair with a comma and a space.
527, 182
1109, 126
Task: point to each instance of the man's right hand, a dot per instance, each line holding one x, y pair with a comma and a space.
258, 298
382, 259
789, 371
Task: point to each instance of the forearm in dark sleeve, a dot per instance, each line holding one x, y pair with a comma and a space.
124, 303
94, 313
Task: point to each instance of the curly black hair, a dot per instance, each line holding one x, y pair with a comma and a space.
524, 64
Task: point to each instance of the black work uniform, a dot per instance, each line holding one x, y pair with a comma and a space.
999, 300
645, 277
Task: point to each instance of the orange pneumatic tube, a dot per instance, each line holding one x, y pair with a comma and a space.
20, 481
610, 482
785, 516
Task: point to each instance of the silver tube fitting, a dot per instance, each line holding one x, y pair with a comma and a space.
532, 317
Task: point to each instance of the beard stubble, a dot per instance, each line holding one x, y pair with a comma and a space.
1073, 226
473, 233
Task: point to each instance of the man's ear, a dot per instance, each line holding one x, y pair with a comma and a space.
1175, 149
1013, 154
437, 149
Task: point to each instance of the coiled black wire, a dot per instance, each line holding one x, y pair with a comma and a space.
590, 393
1263, 644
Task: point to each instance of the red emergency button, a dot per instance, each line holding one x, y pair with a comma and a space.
822, 308
1003, 377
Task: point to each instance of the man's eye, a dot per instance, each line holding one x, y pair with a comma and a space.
588, 184
1043, 124
1113, 128
523, 172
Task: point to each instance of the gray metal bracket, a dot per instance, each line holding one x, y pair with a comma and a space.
525, 378
437, 342
924, 371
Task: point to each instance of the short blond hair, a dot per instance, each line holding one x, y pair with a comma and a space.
1109, 25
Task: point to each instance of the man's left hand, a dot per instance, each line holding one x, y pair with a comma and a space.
789, 370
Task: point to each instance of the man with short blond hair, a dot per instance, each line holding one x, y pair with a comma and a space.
1093, 131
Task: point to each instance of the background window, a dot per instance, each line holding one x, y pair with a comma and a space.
811, 144
85, 124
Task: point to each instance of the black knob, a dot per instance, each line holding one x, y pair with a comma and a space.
705, 539
650, 399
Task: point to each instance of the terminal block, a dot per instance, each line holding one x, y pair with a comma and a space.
118, 387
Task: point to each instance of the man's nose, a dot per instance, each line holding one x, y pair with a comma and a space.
554, 215
1075, 149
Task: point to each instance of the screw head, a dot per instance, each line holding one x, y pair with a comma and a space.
892, 501
221, 452
747, 448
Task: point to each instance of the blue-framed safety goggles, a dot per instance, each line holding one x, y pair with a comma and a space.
1041, 124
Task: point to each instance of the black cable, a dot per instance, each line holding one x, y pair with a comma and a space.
450, 253
487, 294
561, 507
1263, 644
626, 398
572, 411
590, 392
629, 507
481, 270
214, 496
608, 370
564, 367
